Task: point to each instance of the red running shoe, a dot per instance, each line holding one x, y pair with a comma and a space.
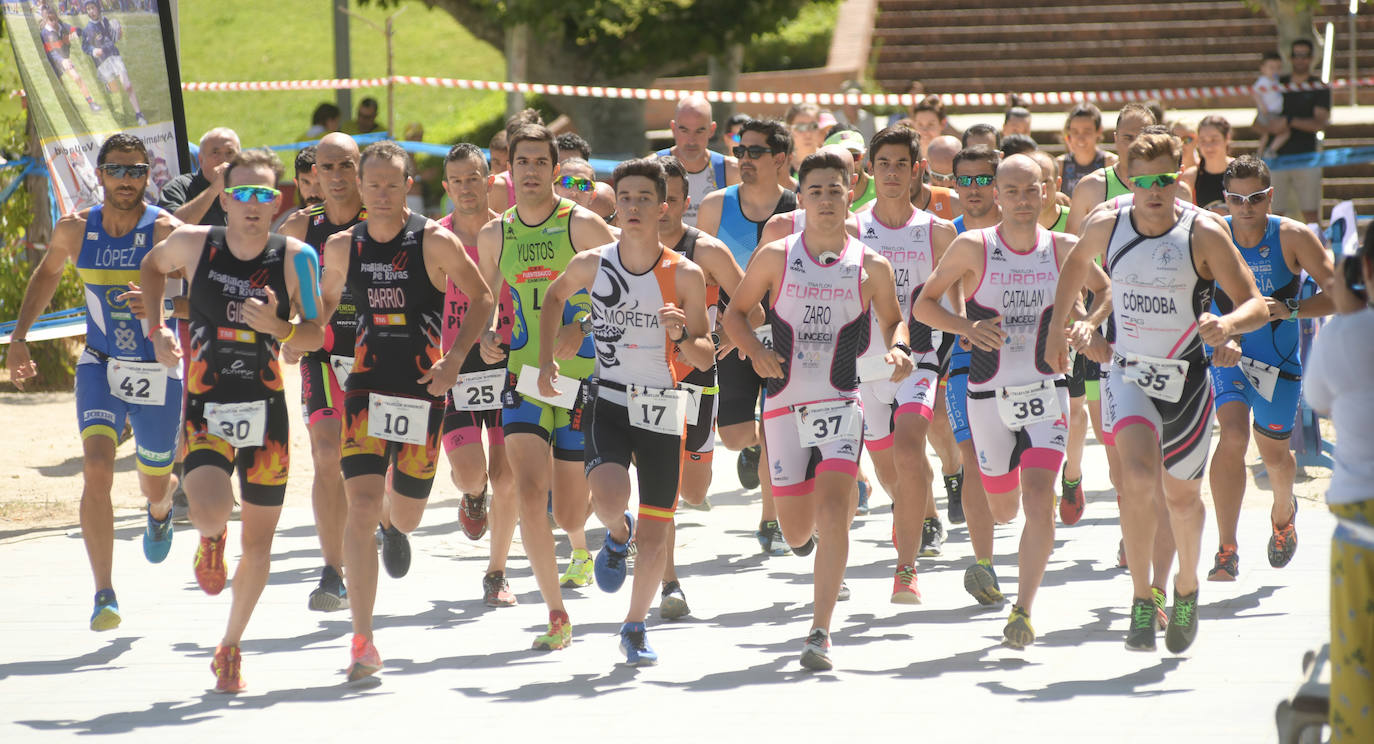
210, 571
365, 659
225, 665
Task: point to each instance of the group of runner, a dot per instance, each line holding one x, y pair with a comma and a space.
882, 295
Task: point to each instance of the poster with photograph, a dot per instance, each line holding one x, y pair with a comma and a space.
92, 68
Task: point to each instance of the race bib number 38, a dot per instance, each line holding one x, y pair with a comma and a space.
479, 391
830, 421
395, 419
1020, 406
140, 383
657, 410
239, 424
1159, 378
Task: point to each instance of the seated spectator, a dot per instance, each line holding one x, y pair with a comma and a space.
366, 122
323, 121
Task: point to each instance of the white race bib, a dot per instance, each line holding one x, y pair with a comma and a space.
139, 383
342, 366
1023, 405
1159, 378
874, 368
1263, 377
830, 421
527, 384
656, 409
479, 391
694, 395
396, 419
764, 334
239, 424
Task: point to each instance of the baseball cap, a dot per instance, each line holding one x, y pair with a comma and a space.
849, 140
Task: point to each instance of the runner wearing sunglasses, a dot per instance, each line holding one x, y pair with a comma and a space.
324, 372
577, 181
1110, 180
1267, 379
247, 283
938, 197
117, 377
737, 216
707, 170
397, 264
1157, 400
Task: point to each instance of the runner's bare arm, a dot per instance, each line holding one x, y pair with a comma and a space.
962, 265
587, 230
880, 285
295, 225
489, 266
1073, 274
1089, 192
578, 276
777, 227
762, 276
1301, 246
708, 214
696, 347
1222, 262
65, 243
444, 252
180, 251
303, 283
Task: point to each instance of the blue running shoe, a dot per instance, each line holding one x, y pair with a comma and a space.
106, 615
610, 560
634, 643
157, 538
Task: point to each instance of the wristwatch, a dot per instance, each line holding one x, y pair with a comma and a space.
902, 346
586, 324
679, 339
1292, 304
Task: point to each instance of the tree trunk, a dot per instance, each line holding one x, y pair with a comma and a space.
724, 74
40, 228
1293, 20
613, 127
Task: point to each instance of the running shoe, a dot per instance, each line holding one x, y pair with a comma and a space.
932, 537
634, 643
816, 654
559, 634
1072, 504
95, 107
770, 538
862, 509
496, 590
1226, 566
672, 604
157, 537
472, 515
226, 665
904, 589
579, 571
106, 614
611, 567
181, 508
1161, 615
395, 551
365, 661
1182, 623
843, 596
705, 504
1018, 633
331, 595
954, 495
747, 467
1141, 636
1284, 542
981, 582
210, 571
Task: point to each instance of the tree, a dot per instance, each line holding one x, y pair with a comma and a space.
626, 43
1293, 19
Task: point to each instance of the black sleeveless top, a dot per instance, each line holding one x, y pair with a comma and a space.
343, 326
1208, 187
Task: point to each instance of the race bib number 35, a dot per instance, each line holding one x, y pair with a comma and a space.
1159, 378
830, 421
479, 391
657, 410
139, 383
239, 424
1022, 405
395, 419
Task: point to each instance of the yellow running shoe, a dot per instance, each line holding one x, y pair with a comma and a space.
1018, 634
579, 571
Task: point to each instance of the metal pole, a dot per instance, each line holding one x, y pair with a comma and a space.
517, 65
390, 83
1354, 97
343, 97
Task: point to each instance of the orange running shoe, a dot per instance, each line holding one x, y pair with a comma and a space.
210, 571
225, 665
366, 660
904, 589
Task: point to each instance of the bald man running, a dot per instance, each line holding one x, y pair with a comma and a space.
707, 171
938, 197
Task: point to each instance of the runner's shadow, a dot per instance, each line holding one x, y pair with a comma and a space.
74, 465
576, 686
97, 660
1125, 685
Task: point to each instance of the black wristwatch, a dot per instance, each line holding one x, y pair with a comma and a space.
1293, 304
681, 338
905, 348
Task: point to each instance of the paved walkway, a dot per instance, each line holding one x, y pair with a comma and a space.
458, 670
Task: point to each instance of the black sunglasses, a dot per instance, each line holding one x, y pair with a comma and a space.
115, 170
754, 152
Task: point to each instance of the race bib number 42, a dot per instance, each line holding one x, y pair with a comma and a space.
830, 421
1020, 406
239, 424
396, 419
479, 391
1159, 378
657, 410
139, 383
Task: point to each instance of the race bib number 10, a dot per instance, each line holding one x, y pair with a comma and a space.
139, 383
396, 419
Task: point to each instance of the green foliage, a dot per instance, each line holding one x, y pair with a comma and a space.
800, 43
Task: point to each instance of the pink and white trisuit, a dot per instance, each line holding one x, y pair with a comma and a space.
908, 248
1017, 406
812, 416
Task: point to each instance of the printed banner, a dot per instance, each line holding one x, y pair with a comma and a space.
92, 68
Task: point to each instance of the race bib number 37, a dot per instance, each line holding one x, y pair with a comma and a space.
830, 421
140, 383
396, 419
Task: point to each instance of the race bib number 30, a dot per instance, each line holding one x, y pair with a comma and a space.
239, 424
1159, 378
139, 383
479, 391
657, 410
395, 419
1020, 406
830, 421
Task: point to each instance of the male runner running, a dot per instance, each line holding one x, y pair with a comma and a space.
1268, 376
98, 41
475, 402
528, 248
648, 310
1157, 400
699, 437
897, 415
246, 285
824, 284
502, 194
325, 371
397, 265
1016, 404
707, 170
116, 375
1109, 181
939, 197
737, 216
1083, 156
57, 36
